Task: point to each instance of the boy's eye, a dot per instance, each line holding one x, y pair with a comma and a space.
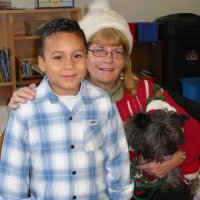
78, 56
58, 57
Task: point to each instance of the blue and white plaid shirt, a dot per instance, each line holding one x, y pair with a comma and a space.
63, 155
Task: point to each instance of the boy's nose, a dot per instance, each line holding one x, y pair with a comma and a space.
68, 64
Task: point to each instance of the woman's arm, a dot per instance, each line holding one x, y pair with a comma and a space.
161, 169
21, 96
192, 140
191, 146
191, 134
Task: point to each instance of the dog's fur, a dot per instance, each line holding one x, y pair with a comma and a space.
156, 136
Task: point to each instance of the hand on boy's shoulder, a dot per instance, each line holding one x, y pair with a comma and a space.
22, 96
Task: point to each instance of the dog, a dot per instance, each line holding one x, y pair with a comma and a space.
155, 136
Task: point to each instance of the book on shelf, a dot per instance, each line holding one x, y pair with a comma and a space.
28, 68
37, 69
7, 60
1, 78
5, 66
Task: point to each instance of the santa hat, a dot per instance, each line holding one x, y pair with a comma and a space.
100, 16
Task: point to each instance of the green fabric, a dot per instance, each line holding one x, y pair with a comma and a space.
117, 92
144, 184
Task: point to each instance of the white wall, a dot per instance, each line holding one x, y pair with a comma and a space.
148, 10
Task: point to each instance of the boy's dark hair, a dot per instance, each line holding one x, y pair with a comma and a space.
59, 25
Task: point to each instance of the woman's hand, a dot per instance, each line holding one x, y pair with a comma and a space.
161, 169
22, 95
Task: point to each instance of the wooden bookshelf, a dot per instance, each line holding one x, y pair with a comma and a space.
21, 45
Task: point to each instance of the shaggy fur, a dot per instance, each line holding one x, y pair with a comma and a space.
157, 136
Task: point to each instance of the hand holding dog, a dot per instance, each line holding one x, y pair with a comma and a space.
161, 169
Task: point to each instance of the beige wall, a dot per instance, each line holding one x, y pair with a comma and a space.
148, 10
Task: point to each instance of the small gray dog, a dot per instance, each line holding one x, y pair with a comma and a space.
156, 136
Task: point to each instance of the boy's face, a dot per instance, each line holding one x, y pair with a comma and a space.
64, 62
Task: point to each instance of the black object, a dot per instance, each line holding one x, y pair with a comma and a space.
190, 106
180, 52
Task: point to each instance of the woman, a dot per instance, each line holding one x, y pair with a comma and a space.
109, 67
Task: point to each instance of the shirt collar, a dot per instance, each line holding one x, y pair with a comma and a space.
88, 92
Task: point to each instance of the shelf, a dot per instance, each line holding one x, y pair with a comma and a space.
26, 37
28, 81
31, 77
6, 84
37, 11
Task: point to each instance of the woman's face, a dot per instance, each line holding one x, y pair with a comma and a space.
104, 71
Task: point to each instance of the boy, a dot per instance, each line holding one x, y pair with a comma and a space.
69, 142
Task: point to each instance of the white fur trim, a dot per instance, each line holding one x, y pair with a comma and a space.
159, 104
100, 16
146, 88
191, 176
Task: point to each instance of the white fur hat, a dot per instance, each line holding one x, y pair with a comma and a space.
100, 16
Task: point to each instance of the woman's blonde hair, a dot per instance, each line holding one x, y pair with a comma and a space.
114, 37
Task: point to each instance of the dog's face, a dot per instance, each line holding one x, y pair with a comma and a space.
155, 135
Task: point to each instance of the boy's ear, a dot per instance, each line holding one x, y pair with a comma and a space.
41, 64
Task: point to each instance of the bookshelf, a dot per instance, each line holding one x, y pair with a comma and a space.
21, 44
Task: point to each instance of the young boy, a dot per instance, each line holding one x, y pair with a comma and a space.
69, 142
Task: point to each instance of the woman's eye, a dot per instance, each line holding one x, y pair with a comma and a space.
120, 52
99, 50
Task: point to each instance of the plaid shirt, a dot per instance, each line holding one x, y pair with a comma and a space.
61, 154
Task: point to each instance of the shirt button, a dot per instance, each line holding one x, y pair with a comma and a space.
72, 146
74, 172
74, 197
70, 118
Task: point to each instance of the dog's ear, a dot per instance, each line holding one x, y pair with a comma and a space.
142, 119
181, 119
135, 129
